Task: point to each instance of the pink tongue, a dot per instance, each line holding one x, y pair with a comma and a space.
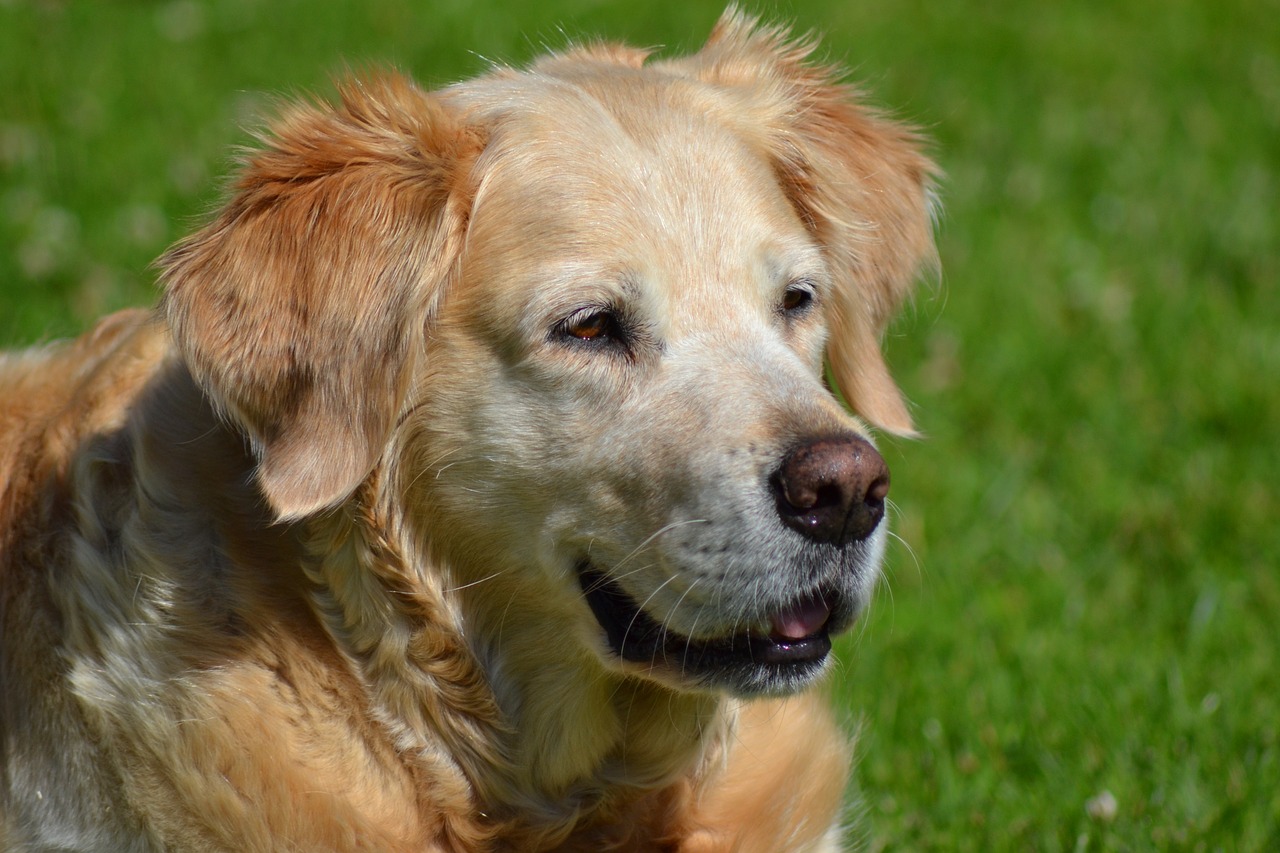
801, 620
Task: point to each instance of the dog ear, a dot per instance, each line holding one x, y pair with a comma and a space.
859, 181
298, 308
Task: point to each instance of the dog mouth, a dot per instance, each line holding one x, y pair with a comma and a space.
787, 655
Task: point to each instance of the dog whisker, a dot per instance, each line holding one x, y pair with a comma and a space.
208, 432
476, 582
659, 588
605, 581
667, 528
614, 576
688, 637
502, 622
431, 465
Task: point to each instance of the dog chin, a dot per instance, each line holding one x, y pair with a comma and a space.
788, 656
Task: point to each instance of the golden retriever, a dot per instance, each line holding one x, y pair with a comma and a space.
478, 485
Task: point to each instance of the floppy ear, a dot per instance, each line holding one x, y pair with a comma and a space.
859, 181
297, 309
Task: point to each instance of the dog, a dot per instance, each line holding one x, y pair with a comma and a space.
481, 482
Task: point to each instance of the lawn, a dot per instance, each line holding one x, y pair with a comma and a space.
1077, 646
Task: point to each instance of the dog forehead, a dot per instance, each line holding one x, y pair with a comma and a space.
625, 175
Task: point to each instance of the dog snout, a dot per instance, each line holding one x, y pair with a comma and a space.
832, 489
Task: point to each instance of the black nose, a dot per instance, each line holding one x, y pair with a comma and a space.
832, 489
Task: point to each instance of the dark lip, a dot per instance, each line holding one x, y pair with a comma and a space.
746, 663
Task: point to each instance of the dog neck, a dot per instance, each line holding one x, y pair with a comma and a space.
533, 729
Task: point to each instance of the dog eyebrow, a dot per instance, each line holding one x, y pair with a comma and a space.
574, 284
799, 265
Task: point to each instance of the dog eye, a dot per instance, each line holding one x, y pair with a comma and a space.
589, 327
798, 298
592, 325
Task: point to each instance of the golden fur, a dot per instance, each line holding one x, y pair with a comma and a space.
288, 565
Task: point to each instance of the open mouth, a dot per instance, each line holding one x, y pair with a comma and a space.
783, 658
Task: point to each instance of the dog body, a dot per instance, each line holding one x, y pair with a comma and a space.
477, 487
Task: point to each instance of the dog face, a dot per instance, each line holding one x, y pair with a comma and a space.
643, 313
583, 312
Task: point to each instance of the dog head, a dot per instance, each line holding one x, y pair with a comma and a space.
581, 314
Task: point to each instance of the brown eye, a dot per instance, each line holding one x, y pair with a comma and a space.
590, 326
594, 327
796, 298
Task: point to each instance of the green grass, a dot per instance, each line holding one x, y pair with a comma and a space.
1089, 598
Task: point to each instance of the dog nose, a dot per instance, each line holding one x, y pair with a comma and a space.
832, 489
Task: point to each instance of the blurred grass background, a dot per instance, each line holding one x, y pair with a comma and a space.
1077, 645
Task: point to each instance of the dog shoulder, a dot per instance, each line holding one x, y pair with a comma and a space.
159, 658
75, 381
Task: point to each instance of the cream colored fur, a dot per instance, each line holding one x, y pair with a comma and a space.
290, 564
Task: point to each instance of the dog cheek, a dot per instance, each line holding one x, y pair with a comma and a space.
506, 468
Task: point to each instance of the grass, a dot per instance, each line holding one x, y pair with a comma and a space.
1086, 604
